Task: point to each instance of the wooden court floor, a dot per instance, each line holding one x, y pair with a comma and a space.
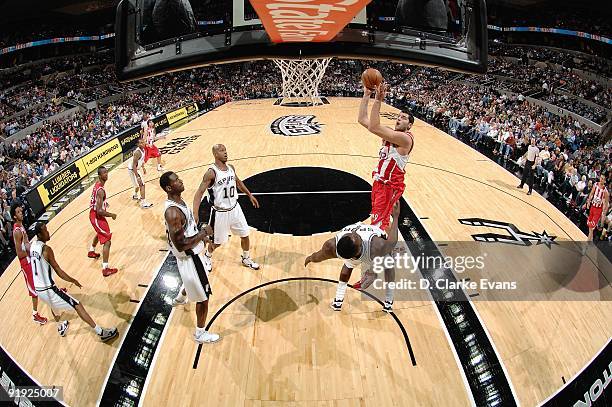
282, 344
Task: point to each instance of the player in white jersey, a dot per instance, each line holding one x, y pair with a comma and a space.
358, 245
187, 245
226, 214
43, 267
137, 170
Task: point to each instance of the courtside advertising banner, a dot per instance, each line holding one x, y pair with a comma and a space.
102, 154
306, 20
59, 183
129, 138
176, 115
180, 114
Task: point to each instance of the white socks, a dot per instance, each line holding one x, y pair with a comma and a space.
245, 254
388, 294
92, 248
200, 331
104, 265
98, 330
341, 290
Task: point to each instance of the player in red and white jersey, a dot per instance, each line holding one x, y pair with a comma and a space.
597, 203
22, 248
97, 216
397, 144
151, 150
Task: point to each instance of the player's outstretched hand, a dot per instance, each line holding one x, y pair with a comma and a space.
254, 201
381, 91
307, 260
144, 170
367, 92
76, 282
114, 216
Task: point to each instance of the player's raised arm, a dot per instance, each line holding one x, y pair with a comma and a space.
245, 190
363, 108
398, 138
328, 251
207, 180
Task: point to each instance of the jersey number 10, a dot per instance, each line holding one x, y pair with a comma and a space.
232, 192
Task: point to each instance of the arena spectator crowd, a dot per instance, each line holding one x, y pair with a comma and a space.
578, 19
557, 56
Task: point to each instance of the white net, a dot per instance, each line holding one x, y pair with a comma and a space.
301, 79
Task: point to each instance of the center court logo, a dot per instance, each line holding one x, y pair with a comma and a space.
296, 125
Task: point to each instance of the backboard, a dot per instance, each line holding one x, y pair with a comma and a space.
155, 36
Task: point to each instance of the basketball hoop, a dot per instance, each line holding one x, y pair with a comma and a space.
301, 79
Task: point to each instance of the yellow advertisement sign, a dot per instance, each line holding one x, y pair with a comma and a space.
180, 114
191, 109
102, 154
55, 186
176, 115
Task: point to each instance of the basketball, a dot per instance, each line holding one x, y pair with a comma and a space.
371, 78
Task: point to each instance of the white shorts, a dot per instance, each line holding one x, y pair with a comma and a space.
57, 299
225, 221
194, 286
134, 179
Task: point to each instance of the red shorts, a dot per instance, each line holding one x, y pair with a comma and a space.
384, 196
151, 152
26, 269
594, 216
101, 227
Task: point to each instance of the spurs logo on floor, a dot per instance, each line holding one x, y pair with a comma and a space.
178, 144
296, 125
514, 236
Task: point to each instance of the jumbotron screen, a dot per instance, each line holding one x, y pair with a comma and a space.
158, 35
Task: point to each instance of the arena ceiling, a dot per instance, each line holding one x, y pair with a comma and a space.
11, 10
